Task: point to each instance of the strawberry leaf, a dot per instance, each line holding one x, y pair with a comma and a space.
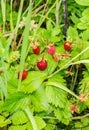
33, 81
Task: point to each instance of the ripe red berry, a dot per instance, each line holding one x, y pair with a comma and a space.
51, 50
42, 64
24, 74
36, 50
67, 46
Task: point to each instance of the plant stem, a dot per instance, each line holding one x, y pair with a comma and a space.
65, 16
69, 62
74, 79
80, 117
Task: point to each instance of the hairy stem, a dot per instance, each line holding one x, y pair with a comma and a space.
65, 16
80, 117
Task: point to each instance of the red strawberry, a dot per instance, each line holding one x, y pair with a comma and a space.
36, 50
42, 64
67, 46
24, 74
51, 50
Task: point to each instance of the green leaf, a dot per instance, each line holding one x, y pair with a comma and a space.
55, 84
84, 24
72, 33
56, 96
49, 25
12, 83
56, 31
58, 78
78, 125
84, 83
18, 127
86, 12
39, 100
85, 35
75, 19
3, 121
85, 120
54, 39
33, 81
15, 101
40, 122
63, 114
3, 88
81, 107
43, 33
51, 64
49, 127
20, 115
83, 2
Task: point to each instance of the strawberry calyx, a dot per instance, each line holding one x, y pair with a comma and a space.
56, 57
83, 97
74, 108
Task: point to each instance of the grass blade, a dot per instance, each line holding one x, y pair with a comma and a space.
25, 43
3, 6
62, 87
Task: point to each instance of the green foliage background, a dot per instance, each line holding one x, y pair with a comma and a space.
42, 101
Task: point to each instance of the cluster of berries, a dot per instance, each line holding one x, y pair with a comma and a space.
42, 62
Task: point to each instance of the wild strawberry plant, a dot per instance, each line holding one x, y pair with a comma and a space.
43, 73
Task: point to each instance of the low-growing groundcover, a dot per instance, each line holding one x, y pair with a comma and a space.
44, 65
